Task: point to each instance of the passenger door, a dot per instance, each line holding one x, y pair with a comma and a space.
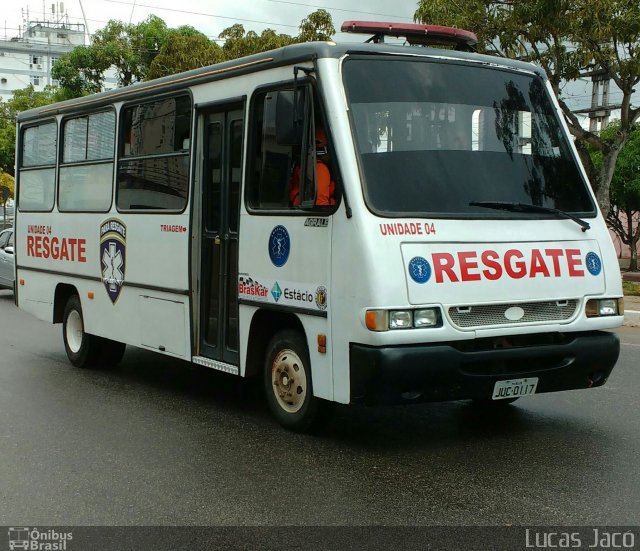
222, 171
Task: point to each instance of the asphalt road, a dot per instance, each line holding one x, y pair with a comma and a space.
157, 442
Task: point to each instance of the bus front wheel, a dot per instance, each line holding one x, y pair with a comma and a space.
288, 386
81, 347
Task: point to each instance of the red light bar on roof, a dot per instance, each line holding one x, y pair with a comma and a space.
424, 35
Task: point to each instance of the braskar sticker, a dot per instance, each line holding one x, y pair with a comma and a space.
113, 245
251, 289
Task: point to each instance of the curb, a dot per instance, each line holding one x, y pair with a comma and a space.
632, 318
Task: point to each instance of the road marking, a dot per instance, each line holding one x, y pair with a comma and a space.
629, 344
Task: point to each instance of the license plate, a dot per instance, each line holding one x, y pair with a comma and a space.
514, 388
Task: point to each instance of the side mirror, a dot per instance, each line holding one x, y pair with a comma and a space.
8, 250
289, 117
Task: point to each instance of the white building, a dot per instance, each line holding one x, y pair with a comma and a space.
28, 58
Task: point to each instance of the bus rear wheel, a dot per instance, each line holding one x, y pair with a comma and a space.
81, 348
288, 386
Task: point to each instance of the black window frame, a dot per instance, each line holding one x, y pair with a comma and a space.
304, 209
62, 164
188, 153
31, 168
490, 214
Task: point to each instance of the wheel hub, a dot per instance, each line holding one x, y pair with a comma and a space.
75, 330
289, 381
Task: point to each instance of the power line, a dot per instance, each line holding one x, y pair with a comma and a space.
337, 9
204, 14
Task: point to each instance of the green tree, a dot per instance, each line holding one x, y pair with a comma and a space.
128, 49
240, 43
569, 39
6, 180
22, 100
184, 50
81, 71
317, 26
151, 50
624, 216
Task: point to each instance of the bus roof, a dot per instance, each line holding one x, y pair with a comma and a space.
296, 53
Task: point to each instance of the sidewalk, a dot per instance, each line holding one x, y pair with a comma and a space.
631, 303
632, 311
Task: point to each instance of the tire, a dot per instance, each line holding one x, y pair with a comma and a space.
82, 349
288, 385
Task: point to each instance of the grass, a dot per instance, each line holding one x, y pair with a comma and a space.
631, 289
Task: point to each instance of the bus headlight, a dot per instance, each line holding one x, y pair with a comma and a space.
604, 307
400, 319
385, 320
428, 317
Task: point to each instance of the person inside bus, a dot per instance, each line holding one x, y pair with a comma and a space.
325, 186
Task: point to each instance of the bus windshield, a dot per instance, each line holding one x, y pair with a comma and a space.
435, 137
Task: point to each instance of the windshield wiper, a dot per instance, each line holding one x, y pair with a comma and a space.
524, 207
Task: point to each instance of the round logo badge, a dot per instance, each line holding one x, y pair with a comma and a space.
279, 246
594, 264
419, 269
321, 298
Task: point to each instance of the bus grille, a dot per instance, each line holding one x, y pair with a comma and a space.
482, 315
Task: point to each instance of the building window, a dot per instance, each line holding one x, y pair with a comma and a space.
36, 59
35, 80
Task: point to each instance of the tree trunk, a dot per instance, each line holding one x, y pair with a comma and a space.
605, 175
634, 237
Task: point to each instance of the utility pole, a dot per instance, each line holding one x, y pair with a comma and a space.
599, 116
86, 25
600, 109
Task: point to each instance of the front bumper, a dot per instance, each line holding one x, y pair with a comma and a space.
460, 370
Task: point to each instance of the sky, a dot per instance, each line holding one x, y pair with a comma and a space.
210, 16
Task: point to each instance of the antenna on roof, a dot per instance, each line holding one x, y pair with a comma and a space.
415, 34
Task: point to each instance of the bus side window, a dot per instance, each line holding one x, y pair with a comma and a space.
37, 167
275, 154
153, 170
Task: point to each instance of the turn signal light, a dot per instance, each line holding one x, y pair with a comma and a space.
377, 320
322, 343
